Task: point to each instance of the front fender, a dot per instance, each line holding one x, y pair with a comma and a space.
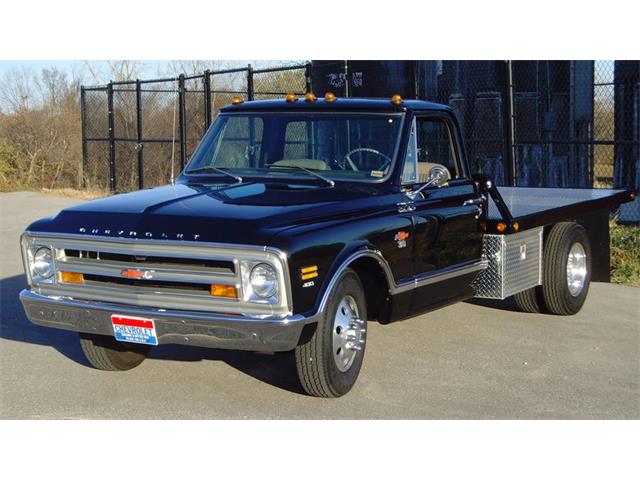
342, 262
312, 299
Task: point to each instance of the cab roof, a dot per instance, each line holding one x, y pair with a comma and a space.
341, 103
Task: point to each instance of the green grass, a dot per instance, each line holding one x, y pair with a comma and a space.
625, 254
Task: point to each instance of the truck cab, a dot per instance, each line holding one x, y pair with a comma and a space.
379, 155
295, 222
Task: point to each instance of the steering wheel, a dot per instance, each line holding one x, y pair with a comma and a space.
385, 163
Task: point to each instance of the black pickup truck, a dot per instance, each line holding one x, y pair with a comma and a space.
296, 222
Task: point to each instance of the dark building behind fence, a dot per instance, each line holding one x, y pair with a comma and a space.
572, 124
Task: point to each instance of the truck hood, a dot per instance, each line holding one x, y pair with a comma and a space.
249, 213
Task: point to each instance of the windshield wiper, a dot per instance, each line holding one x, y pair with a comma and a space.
210, 168
310, 172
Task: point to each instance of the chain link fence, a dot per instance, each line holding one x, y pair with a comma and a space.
139, 134
564, 124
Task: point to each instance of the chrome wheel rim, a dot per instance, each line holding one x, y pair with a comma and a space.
576, 269
348, 333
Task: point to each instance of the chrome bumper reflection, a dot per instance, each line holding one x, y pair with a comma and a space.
200, 329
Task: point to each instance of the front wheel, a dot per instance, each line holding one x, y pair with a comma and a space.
329, 363
106, 353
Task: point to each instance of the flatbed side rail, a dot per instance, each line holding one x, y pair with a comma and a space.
530, 207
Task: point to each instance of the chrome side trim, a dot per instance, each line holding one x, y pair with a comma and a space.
395, 288
441, 275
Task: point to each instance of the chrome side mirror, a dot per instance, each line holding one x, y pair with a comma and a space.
438, 177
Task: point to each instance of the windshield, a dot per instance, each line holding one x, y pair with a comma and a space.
336, 146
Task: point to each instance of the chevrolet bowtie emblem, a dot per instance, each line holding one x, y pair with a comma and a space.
137, 274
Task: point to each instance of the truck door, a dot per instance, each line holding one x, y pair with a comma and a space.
447, 242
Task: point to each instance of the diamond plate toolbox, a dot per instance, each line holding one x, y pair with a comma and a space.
515, 264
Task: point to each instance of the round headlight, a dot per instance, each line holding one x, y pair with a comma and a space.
43, 262
264, 280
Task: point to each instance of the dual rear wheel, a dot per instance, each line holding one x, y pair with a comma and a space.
566, 273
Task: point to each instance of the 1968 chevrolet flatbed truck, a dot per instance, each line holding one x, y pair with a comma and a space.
295, 222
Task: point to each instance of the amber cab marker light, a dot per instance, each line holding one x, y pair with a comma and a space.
329, 97
71, 277
291, 97
501, 227
310, 97
516, 226
226, 291
396, 99
236, 100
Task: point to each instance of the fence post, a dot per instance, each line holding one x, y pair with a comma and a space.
139, 145
181, 121
207, 99
307, 79
112, 144
510, 157
346, 78
415, 66
249, 82
83, 118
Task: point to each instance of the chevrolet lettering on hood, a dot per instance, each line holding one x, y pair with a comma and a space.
134, 234
294, 224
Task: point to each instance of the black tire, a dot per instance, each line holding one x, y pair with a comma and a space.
106, 353
317, 370
530, 300
555, 289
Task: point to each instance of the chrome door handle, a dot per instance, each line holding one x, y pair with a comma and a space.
474, 201
404, 207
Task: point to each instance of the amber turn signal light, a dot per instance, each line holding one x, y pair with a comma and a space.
310, 97
226, 291
71, 277
236, 100
329, 97
291, 97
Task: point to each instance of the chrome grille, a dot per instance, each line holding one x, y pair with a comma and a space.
176, 274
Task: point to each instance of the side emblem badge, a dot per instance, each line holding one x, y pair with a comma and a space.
401, 238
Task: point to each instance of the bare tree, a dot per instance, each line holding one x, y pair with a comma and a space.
16, 89
42, 131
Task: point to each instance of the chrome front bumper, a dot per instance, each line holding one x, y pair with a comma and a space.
202, 329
